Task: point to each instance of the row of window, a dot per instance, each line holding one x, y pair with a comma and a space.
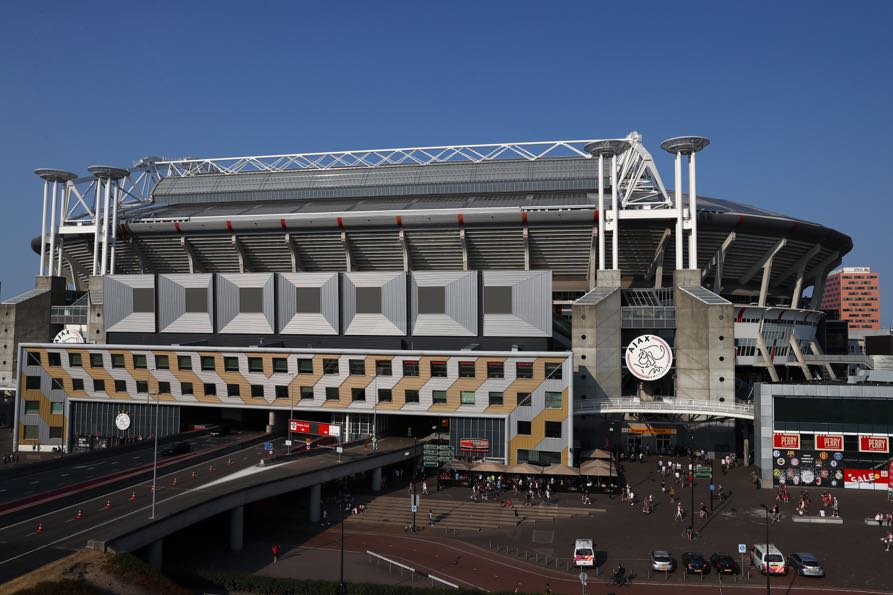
551, 429
32, 406
33, 432
356, 367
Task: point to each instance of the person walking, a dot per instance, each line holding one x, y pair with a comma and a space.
275, 550
430, 518
887, 540
679, 512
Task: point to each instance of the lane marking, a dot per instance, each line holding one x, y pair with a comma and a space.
36, 481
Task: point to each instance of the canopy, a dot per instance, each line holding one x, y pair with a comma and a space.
595, 453
489, 467
597, 468
560, 470
457, 466
525, 469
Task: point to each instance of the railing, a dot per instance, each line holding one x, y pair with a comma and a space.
660, 405
69, 314
435, 581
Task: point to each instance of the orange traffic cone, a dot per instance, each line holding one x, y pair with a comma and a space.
133, 496
194, 475
79, 515
108, 504
174, 483
40, 527
229, 461
210, 468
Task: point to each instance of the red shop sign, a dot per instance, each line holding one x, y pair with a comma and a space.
890, 475
864, 476
829, 441
787, 441
874, 443
474, 444
295, 425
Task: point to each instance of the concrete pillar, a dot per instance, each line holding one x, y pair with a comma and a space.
747, 451
315, 501
271, 421
156, 555
376, 479
236, 528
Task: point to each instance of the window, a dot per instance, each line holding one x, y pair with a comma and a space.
257, 391
281, 391
77, 384
74, 360
255, 364
358, 394
553, 400
383, 367
210, 389
280, 365
495, 370
184, 362
553, 370
32, 406
96, 360
524, 370
55, 432
33, 358
139, 361
466, 369
233, 390
162, 362
439, 369
31, 432
356, 367
231, 364
439, 397
32, 382
466, 397
186, 388
98, 385
117, 360
305, 366
142, 386
164, 388
332, 393
523, 428
411, 396
120, 386
208, 363
54, 358
330, 366
410, 368
58, 384
385, 395
307, 392
495, 399
553, 429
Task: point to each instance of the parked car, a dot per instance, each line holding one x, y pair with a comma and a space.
177, 449
694, 563
662, 561
723, 563
806, 564
768, 559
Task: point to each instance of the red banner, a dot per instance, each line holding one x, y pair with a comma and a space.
786, 441
474, 444
874, 443
890, 475
295, 425
312, 427
829, 441
852, 477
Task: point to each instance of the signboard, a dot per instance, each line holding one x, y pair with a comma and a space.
807, 468
890, 474
786, 440
122, 421
474, 444
648, 431
742, 548
268, 446
829, 441
295, 425
874, 443
648, 357
866, 479
312, 427
68, 336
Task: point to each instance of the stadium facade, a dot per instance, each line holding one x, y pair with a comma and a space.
532, 299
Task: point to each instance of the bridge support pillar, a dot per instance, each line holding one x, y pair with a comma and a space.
747, 449
156, 554
315, 500
376, 479
236, 528
271, 421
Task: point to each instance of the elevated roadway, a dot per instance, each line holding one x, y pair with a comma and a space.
664, 406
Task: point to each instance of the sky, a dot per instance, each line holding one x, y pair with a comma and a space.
796, 97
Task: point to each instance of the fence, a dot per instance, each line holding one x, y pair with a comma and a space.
435, 581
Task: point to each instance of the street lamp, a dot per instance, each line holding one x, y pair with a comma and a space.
766, 550
611, 462
155, 457
342, 588
291, 402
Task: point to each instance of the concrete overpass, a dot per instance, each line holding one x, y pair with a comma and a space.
664, 406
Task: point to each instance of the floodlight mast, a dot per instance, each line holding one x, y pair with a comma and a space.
679, 146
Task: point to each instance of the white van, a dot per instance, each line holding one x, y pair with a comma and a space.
768, 559
584, 553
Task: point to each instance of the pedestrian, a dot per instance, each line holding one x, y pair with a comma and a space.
517, 518
430, 518
275, 550
548, 590
325, 518
679, 512
888, 541
425, 488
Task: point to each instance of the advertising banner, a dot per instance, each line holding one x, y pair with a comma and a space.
811, 468
874, 443
890, 475
313, 427
867, 479
829, 441
474, 444
788, 440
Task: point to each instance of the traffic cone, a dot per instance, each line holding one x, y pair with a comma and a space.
174, 483
210, 468
194, 475
79, 515
108, 504
229, 461
40, 527
133, 496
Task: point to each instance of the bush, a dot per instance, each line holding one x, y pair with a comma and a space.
67, 586
134, 571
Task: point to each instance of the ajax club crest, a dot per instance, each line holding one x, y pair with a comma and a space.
648, 357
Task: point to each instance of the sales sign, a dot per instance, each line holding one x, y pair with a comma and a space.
829, 441
865, 478
295, 425
474, 444
786, 440
312, 427
874, 443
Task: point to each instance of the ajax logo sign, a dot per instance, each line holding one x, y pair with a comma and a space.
648, 357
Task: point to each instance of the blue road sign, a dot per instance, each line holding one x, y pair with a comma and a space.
268, 446
711, 487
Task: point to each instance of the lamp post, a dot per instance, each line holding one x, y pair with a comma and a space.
291, 403
691, 485
342, 588
611, 462
155, 457
766, 550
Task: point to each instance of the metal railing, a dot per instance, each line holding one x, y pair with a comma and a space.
664, 405
403, 568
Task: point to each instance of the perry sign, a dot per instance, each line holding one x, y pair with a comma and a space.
648, 357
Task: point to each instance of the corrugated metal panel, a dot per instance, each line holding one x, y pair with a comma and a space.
171, 304
231, 315
531, 314
434, 250
460, 317
118, 310
292, 322
392, 319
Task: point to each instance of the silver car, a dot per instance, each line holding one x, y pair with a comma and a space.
662, 561
806, 565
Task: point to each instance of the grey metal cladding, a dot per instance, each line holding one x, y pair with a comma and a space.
256, 314
531, 304
129, 303
498, 299
307, 303
444, 303
392, 317
173, 314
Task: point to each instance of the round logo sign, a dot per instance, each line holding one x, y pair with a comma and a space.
68, 336
122, 421
648, 357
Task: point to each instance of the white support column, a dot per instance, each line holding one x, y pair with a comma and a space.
50, 267
678, 199
293, 252
97, 216
190, 255
404, 250
345, 243
615, 246
526, 248
767, 357
692, 212
798, 354
601, 212
464, 249
43, 228
593, 248
114, 226
105, 227
64, 194
764, 283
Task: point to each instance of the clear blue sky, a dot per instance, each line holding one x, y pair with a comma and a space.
796, 97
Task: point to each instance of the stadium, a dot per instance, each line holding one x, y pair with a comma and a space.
500, 293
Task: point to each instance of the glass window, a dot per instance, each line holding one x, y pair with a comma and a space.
553, 429
58, 384
54, 358
553, 400
139, 361
523, 428
208, 363
233, 390
32, 382
307, 392
524, 370
305, 366
74, 360
120, 386
231, 364
186, 388
383, 367
98, 385
33, 358
255, 364
55, 432
466, 369
142, 386
332, 393
32, 406
210, 389
184, 362
280, 365
439, 397
466, 397
385, 395
438, 369
553, 370
117, 360
358, 394
411, 396
96, 360
162, 362
164, 388
356, 367
495, 370
281, 391
31, 432
495, 399
77, 384
329, 366
257, 391
410, 368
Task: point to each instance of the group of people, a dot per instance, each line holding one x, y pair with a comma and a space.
11, 459
884, 519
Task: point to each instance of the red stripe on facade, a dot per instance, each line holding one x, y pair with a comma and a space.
524, 217
282, 224
229, 226
399, 221
741, 219
340, 222
177, 227
460, 219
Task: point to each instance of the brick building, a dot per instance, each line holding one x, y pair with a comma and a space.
854, 293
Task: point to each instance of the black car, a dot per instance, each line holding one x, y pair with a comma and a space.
177, 449
694, 563
724, 564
